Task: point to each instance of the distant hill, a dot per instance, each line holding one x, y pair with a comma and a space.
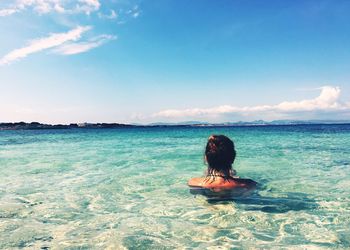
178, 123
37, 125
253, 123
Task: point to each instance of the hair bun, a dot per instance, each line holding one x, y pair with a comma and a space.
220, 152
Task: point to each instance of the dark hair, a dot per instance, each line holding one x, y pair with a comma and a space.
220, 154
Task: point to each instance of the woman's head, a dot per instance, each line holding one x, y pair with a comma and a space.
220, 154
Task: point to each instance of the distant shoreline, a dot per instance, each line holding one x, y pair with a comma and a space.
42, 126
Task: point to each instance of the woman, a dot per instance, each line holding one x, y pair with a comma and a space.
220, 179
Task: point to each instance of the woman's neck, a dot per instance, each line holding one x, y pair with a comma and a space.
228, 173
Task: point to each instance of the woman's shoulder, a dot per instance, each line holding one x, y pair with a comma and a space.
245, 182
196, 182
220, 188
220, 183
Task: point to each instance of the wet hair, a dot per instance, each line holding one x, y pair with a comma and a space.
220, 154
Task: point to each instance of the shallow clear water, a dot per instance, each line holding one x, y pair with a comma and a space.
126, 189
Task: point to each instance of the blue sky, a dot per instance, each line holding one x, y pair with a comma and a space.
65, 61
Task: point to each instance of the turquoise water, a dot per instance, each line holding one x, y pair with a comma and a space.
126, 189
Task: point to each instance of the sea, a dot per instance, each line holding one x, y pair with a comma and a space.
126, 188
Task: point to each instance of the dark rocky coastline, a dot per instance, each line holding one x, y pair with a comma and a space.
37, 125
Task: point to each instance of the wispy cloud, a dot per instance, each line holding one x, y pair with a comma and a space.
37, 45
80, 47
87, 6
8, 12
71, 7
112, 15
134, 12
48, 6
327, 101
61, 43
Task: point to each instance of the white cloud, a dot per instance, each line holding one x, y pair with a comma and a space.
7, 12
327, 101
58, 8
134, 12
37, 45
112, 15
93, 3
48, 6
88, 6
80, 47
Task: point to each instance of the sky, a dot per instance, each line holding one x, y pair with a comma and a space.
138, 61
